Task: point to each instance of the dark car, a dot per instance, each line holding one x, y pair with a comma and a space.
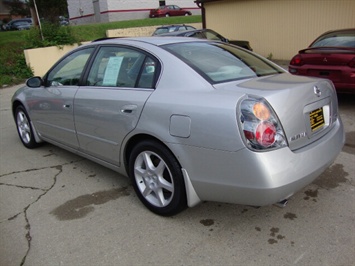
209, 35
331, 56
168, 11
172, 28
19, 24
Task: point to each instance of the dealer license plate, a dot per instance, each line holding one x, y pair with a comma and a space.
316, 119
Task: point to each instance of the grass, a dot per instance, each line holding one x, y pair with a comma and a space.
12, 43
94, 31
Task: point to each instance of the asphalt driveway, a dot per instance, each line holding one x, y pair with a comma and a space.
59, 209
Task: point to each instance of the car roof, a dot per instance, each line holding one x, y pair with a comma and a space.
338, 31
21, 19
183, 32
174, 25
158, 41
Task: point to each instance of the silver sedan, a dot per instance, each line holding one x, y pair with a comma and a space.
187, 120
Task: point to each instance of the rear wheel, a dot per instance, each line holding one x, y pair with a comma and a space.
157, 178
24, 128
167, 15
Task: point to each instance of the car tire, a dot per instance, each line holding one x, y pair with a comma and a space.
157, 178
24, 128
167, 15
187, 14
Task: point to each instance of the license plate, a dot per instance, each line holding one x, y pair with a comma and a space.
316, 118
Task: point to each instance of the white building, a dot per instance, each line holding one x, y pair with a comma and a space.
90, 11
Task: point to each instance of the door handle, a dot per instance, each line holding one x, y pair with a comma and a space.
128, 109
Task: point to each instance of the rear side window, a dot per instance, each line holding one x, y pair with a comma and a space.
338, 39
122, 67
218, 62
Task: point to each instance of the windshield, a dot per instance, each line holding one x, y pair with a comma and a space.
337, 39
218, 62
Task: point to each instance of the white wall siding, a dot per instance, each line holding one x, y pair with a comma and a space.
82, 11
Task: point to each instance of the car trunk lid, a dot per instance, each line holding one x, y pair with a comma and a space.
327, 56
306, 107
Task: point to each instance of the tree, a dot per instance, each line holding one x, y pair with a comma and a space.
50, 10
17, 7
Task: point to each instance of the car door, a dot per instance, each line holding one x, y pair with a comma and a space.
52, 105
176, 11
117, 86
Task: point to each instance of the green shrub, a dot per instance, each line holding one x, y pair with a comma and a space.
52, 35
13, 68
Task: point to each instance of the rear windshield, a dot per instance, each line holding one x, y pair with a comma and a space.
218, 62
337, 39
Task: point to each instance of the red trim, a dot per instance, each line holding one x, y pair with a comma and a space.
137, 10
124, 10
85, 16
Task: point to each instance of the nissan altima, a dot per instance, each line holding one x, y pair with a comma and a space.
187, 120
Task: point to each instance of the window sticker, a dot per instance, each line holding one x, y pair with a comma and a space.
112, 70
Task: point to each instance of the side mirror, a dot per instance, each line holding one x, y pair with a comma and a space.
34, 82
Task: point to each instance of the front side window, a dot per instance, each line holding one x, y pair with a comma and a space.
218, 62
122, 67
190, 28
212, 36
69, 70
198, 34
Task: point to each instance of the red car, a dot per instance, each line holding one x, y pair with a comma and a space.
331, 56
167, 11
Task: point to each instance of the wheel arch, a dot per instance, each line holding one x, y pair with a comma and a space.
192, 198
16, 103
133, 141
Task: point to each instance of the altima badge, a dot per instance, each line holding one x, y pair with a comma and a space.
317, 91
325, 59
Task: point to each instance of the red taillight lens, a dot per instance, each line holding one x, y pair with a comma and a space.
265, 134
260, 126
296, 61
352, 63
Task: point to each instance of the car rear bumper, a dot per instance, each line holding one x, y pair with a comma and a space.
259, 178
343, 78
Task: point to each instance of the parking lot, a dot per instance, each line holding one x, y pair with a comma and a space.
59, 209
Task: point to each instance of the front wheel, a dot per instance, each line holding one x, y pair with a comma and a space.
157, 178
167, 15
24, 128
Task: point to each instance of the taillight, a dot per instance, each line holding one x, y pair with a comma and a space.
297, 60
260, 126
265, 134
352, 63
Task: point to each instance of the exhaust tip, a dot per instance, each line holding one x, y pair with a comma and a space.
282, 203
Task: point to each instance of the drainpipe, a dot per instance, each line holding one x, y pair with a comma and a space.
203, 12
